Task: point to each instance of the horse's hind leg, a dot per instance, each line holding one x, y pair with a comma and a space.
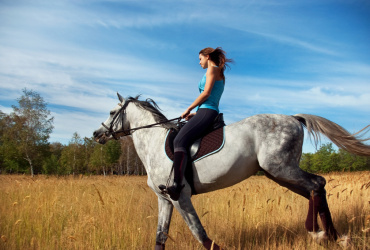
311, 221
311, 187
325, 216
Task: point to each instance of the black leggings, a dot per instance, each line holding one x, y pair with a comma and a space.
194, 128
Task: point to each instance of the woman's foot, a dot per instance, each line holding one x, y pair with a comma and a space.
175, 190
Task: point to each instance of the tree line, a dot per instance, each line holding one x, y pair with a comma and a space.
24, 148
326, 159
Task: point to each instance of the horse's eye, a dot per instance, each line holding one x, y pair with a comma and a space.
112, 112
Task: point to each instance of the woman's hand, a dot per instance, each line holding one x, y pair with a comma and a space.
190, 116
186, 114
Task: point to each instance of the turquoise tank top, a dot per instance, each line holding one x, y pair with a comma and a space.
214, 99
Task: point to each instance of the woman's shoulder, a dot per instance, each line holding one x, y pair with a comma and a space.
215, 72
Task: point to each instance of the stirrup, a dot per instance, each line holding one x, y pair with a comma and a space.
163, 188
175, 192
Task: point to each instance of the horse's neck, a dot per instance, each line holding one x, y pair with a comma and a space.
147, 141
139, 117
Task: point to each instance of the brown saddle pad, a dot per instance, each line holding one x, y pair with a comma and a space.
209, 144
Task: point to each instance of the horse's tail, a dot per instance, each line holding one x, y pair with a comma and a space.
352, 143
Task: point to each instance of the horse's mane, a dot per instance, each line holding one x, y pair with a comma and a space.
151, 106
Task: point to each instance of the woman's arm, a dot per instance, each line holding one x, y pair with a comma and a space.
211, 75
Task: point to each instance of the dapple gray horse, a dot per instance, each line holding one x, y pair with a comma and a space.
271, 143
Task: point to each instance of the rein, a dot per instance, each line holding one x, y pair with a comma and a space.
125, 132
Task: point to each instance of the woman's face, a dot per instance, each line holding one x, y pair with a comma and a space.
203, 61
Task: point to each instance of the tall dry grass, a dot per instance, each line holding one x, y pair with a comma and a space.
121, 213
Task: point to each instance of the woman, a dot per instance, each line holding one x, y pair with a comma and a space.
211, 88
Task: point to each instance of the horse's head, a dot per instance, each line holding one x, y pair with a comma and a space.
114, 126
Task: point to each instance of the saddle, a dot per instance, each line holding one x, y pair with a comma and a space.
209, 143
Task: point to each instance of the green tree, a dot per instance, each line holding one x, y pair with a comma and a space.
33, 126
73, 156
351, 162
98, 159
112, 152
25, 133
2, 129
326, 159
323, 159
306, 162
51, 164
88, 147
105, 158
11, 160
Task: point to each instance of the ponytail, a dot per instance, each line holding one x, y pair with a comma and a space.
218, 56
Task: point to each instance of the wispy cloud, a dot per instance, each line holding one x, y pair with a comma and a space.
296, 42
297, 93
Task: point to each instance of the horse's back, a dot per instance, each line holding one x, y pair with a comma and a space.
278, 138
235, 162
245, 143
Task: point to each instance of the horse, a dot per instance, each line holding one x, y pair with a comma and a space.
271, 143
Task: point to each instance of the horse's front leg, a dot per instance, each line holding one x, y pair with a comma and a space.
165, 209
187, 211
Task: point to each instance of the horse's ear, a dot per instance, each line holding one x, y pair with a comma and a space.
120, 98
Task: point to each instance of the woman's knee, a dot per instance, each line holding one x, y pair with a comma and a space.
180, 144
178, 141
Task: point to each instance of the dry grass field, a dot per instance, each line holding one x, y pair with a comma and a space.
121, 213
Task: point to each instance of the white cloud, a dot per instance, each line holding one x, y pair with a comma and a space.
263, 95
80, 81
326, 97
6, 110
68, 122
293, 41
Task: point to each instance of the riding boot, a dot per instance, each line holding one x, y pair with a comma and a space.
179, 165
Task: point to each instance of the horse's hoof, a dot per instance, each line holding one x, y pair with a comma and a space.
345, 241
319, 237
209, 244
159, 246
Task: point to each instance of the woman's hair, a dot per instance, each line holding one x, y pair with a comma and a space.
218, 56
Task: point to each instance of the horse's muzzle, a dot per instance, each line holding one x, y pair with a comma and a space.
100, 137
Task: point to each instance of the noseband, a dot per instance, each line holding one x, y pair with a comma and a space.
125, 132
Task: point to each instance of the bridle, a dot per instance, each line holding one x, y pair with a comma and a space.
125, 132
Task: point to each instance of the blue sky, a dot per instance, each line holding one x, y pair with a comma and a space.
290, 57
